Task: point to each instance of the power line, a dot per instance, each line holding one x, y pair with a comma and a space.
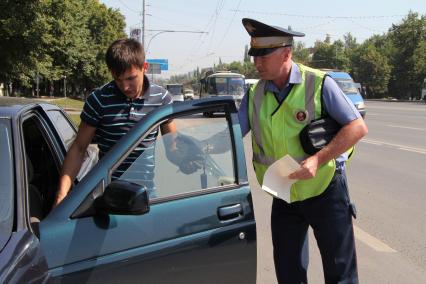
229, 26
128, 8
210, 28
364, 27
315, 16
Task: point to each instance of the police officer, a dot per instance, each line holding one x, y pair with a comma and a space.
287, 97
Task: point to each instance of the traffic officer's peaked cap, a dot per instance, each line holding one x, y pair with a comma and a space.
266, 38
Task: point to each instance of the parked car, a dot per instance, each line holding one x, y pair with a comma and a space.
349, 87
199, 228
188, 94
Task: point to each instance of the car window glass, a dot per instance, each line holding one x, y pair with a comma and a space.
6, 179
65, 130
202, 159
42, 167
347, 86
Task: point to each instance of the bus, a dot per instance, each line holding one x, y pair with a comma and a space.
223, 83
250, 82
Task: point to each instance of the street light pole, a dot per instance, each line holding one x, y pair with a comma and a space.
65, 86
38, 84
169, 31
143, 23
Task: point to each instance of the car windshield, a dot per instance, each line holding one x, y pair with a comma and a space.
228, 85
6, 181
347, 86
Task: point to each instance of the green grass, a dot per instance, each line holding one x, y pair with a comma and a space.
67, 103
75, 118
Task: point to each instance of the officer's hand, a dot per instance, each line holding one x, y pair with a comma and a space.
191, 165
187, 155
308, 169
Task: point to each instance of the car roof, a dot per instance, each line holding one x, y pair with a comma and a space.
226, 74
11, 106
337, 74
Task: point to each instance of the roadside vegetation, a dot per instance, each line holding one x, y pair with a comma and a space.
68, 103
387, 65
72, 106
59, 46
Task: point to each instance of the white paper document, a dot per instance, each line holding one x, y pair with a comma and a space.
276, 181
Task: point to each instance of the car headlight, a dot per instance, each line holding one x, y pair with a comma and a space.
361, 105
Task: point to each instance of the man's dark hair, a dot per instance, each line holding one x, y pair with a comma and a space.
122, 54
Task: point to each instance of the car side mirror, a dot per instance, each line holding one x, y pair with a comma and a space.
123, 198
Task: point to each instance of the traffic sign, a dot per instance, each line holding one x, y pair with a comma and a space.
154, 68
164, 63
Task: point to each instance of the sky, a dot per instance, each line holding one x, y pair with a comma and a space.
224, 38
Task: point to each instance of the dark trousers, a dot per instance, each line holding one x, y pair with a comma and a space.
330, 216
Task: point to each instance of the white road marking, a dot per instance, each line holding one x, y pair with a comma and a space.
371, 241
412, 109
400, 147
407, 127
413, 150
372, 142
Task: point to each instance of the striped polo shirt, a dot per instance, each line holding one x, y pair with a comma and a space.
113, 115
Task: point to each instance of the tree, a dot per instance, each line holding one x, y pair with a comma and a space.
371, 69
300, 53
420, 64
56, 38
406, 38
24, 36
246, 55
350, 42
105, 25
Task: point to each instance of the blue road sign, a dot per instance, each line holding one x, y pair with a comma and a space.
164, 63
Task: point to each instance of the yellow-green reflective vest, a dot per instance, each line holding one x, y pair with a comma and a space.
275, 129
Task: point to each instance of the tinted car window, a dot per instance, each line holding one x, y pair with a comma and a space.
204, 159
64, 127
6, 180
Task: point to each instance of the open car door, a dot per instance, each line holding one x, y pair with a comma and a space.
190, 220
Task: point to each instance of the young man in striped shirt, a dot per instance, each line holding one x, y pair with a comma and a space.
111, 111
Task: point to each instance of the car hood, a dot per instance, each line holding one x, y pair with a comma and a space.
356, 98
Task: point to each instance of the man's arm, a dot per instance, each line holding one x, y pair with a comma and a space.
73, 160
347, 137
168, 130
168, 127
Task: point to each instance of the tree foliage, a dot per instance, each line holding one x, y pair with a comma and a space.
56, 39
23, 40
372, 69
408, 41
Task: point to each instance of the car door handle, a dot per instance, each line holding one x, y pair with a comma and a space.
230, 213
